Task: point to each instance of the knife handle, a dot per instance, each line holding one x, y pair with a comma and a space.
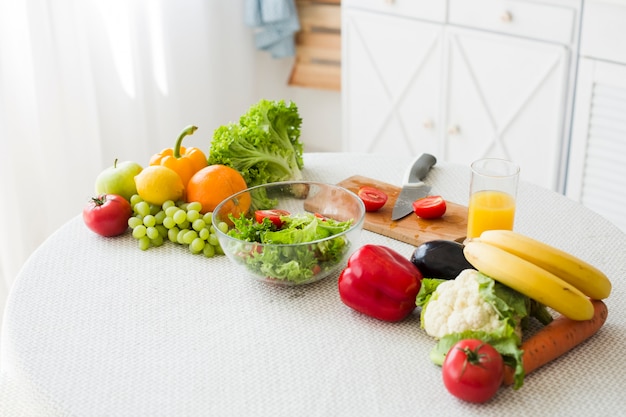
420, 167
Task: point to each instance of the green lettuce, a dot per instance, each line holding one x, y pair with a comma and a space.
284, 261
513, 308
264, 146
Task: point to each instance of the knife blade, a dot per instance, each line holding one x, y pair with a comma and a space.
413, 187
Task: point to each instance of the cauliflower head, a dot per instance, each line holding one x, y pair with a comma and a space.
457, 306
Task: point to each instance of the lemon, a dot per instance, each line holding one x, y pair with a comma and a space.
156, 184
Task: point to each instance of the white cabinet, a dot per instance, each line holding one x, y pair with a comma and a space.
505, 98
391, 71
597, 173
597, 163
491, 79
603, 30
431, 10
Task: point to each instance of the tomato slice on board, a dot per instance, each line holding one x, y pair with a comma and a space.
373, 198
273, 215
431, 207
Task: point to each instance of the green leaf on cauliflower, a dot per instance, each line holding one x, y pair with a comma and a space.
427, 288
470, 316
506, 343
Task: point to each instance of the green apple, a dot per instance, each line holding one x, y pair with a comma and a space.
119, 179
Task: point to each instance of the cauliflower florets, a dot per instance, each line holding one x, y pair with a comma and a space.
456, 306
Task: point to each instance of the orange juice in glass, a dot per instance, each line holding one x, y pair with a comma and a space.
493, 190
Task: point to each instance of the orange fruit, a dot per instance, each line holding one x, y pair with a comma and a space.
215, 183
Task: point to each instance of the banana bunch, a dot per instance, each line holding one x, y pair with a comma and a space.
546, 274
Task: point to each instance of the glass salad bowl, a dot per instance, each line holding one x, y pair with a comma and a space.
290, 233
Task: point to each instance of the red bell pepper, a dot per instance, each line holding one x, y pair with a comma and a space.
380, 282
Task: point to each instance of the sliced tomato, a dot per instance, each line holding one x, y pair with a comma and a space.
373, 198
320, 216
431, 207
274, 216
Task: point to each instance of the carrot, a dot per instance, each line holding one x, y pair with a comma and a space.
556, 339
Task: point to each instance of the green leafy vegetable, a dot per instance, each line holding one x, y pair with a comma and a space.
264, 146
512, 307
505, 341
282, 260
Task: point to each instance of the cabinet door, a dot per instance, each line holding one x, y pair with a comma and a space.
506, 98
391, 79
596, 174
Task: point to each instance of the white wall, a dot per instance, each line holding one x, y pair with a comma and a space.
76, 102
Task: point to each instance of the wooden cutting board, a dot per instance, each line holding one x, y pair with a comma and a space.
410, 229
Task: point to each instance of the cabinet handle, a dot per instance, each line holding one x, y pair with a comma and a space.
506, 17
454, 130
428, 124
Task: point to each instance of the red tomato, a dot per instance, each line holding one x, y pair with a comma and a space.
373, 198
431, 207
473, 370
107, 214
319, 216
273, 215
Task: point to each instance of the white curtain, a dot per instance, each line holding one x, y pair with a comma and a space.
83, 82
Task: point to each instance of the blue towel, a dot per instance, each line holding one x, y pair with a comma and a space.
276, 23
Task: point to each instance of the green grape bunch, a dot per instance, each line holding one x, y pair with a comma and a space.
178, 222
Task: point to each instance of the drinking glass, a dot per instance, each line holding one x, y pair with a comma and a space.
493, 190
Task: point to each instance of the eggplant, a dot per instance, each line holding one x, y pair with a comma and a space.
443, 259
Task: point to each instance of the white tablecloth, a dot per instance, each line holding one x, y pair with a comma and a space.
97, 327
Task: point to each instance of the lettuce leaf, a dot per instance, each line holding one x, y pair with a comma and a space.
281, 260
505, 342
512, 307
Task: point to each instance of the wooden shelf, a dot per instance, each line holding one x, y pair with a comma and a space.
318, 45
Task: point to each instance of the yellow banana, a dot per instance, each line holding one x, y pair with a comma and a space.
587, 278
529, 279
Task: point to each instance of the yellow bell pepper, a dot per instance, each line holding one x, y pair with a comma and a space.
184, 161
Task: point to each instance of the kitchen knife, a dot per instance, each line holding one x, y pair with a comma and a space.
412, 187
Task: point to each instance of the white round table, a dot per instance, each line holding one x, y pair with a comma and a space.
96, 327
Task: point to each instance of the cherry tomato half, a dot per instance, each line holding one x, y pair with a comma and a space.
473, 370
373, 198
107, 214
273, 215
431, 207
320, 216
